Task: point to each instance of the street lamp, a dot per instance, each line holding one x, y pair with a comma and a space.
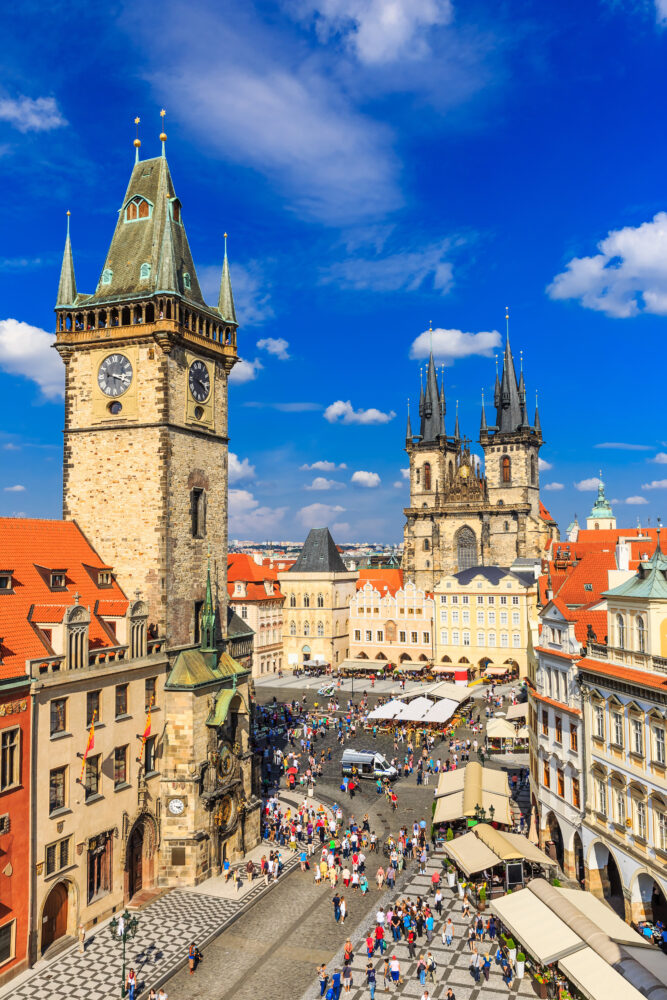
124, 928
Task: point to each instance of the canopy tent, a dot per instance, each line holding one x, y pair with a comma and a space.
410, 667
415, 710
444, 689
443, 668
498, 671
511, 846
388, 711
470, 854
441, 711
523, 733
540, 931
518, 711
460, 791
315, 663
372, 666
500, 729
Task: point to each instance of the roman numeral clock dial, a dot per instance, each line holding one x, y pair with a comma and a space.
199, 381
115, 375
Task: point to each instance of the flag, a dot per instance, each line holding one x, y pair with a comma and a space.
90, 745
147, 731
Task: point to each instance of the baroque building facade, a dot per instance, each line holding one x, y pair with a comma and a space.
460, 516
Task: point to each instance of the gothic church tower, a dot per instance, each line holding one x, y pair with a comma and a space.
145, 441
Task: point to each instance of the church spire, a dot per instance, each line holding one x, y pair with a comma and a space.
443, 406
482, 426
457, 432
167, 273
226, 299
538, 425
67, 284
207, 628
509, 411
408, 430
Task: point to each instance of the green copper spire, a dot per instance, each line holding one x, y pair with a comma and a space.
601, 508
67, 283
226, 299
207, 628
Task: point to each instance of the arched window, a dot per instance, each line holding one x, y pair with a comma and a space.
427, 476
131, 212
145, 271
620, 631
292, 628
143, 209
466, 547
417, 476
507, 469
451, 470
320, 629
641, 634
306, 600
292, 600
306, 628
320, 601
533, 470
138, 208
426, 545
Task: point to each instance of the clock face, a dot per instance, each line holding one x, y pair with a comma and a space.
465, 472
176, 806
226, 762
114, 375
199, 381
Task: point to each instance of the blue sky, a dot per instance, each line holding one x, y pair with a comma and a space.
378, 164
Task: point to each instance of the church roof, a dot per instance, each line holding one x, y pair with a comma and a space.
158, 240
319, 554
650, 580
601, 509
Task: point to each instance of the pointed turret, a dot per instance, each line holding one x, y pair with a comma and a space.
482, 426
430, 407
496, 391
509, 416
457, 432
537, 425
67, 283
226, 299
408, 430
207, 627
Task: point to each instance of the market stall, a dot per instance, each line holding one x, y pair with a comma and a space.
473, 792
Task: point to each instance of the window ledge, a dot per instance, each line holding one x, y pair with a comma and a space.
151, 774
123, 718
93, 798
640, 840
122, 787
11, 788
659, 764
635, 755
60, 736
616, 746
59, 873
57, 813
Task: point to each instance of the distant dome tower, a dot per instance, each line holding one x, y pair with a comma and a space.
601, 515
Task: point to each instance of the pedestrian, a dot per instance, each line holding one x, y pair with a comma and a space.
192, 958
431, 966
425, 995
343, 909
411, 943
250, 870
395, 968
370, 945
336, 984
131, 984
438, 902
386, 975
347, 978
348, 953
486, 966
475, 965
379, 938
371, 980
450, 995
323, 978
448, 932
336, 907
421, 970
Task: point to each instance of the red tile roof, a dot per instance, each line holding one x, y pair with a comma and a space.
544, 513
643, 678
242, 567
597, 619
556, 704
29, 546
384, 580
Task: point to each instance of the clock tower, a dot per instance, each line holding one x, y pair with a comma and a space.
145, 439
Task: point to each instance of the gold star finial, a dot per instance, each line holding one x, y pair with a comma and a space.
163, 134
137, 141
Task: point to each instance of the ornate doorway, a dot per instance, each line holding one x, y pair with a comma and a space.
54, 919
135, 856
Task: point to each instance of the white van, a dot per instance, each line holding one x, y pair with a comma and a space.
369, 764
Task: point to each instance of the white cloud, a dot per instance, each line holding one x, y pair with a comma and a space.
26, 350
276, 346
661, 11
244, 371
318, 515
28, 114
284, 407
627, 277
286, 116
587, 484
367, 479
399, 484
405, 473
240, 468
252, 299
321, 483
655, 484
14, 489
11, 447
660, 458
341, 529
543, 465
322, 466
635, 500
379, 31
552, 487
623, 446
346, 414
249, 519
405, 271
449, 345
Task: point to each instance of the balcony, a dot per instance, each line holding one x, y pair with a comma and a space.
49, 665
627, 657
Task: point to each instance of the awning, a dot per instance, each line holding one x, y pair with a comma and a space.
441, 711
460, 791
540, 931
470, 854
442, 669
518, 711
511, 846
410, 667
597, 980
500, 729
497, 671
523, 733
373, 666
445, 689
415, 710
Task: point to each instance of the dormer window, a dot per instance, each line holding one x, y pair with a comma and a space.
58, 580
186, 280
145, 272
176, 210
138, 209
5, 581
107, 275
104, 578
